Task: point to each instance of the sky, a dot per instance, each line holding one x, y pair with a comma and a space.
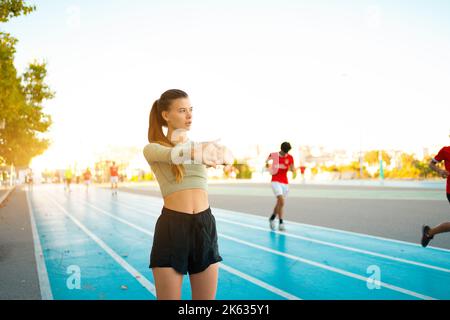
342, 74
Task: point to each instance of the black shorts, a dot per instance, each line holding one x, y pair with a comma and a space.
448, 197
185, 242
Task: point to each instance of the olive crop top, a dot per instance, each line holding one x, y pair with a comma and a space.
160, 159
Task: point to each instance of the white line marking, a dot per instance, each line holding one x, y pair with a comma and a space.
332, 269
44, 283
313, 263
258, 282
424, 265
343, 247
159, 200
221, 265
335, 230
136, 274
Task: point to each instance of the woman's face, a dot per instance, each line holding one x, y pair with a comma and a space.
179, 115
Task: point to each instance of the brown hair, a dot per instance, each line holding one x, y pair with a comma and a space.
156, 122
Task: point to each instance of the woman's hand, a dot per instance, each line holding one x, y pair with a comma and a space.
210, 154
213, 154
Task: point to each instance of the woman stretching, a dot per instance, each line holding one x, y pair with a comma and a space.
185, 237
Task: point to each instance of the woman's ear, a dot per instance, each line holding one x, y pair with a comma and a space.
164, 116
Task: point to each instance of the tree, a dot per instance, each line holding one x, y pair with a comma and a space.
13, 8
21, 98
371, 157
22, 111
425, 170
409, 168
243, 170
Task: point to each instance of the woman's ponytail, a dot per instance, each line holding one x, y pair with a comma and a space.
156, 122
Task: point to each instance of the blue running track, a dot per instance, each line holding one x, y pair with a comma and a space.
97, 246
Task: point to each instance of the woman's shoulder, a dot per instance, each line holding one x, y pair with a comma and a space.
155, 152
154, 146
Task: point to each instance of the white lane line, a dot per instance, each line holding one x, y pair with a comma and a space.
343, 247
313, 263
136, 274
332, 269
258, 282
305, 225
44, 283
363, 235
424, 265
232, 270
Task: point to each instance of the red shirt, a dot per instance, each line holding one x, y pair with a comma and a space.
444, 154
87, 175
280, 166
114, 171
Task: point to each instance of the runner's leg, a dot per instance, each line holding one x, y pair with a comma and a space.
281, 202
276, 191
443, 227
428, 233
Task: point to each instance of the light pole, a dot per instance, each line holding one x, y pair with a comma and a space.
360, 154
380, 158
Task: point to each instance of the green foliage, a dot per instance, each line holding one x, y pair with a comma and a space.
13, 8
21, 98
408, 168
243, 170
425, 170
35, 89
148, 177
372, 157
412, 168
353, 167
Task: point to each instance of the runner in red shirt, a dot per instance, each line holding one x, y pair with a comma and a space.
114, 173
87, 178
281, 162
443, 155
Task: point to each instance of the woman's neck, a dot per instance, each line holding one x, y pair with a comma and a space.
180, 138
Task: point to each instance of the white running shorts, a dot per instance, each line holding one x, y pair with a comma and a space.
115, 179
280, 189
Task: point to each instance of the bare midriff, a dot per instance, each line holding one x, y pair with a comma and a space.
190, 201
